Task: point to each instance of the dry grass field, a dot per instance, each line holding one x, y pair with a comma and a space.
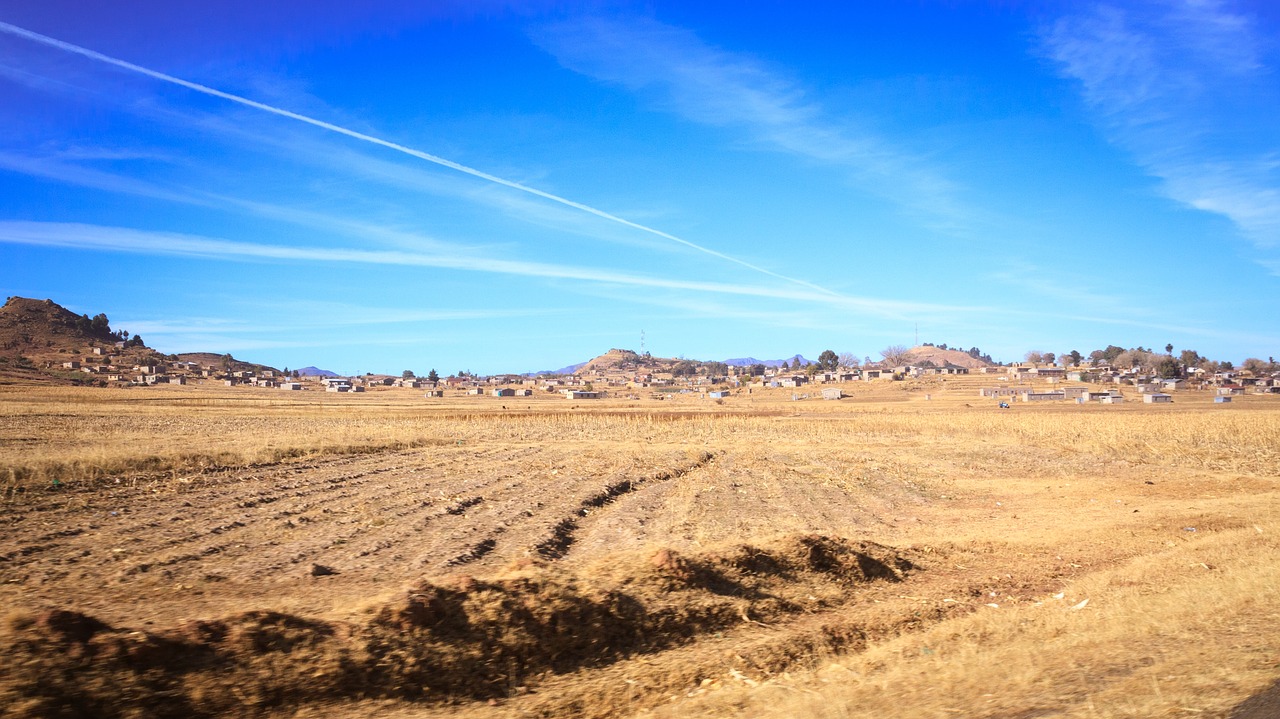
189, 551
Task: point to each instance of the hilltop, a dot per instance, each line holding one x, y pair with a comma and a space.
941, 357
213, 359
39, 337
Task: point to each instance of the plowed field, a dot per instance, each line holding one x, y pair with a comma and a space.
560, 564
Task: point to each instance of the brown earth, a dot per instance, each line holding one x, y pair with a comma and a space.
606, 563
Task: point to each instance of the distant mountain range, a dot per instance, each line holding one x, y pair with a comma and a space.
748, 361
315, 372
563, 370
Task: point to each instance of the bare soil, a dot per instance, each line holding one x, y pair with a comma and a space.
566, 578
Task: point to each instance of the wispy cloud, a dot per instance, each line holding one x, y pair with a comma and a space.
707, 85
122, 239
1058, 287
387, 144
1171, 84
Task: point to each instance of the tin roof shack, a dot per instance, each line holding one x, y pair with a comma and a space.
291, 386
1221, 400
1157, 398
1043, 396
719, 394
1002, 391
832, 393
580, 394
1075, 392
1112, 399
504, 392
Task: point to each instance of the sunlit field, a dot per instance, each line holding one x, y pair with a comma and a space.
911, 550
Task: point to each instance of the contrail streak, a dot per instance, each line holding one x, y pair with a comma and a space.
85, 52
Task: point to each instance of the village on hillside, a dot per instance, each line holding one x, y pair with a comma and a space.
42, 338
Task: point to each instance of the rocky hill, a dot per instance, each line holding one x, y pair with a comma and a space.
941, 357
37, 337
213, 359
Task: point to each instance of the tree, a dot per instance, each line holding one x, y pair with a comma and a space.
848, 359
99, 324
1226, 365
756, 370
828, 360
1075, 357
227, 359
1168, 349
784, 366
1034, 357
1049, 358
1168, 368
1190, 358
136, 341
432, 376
716, 369
1254, 365
896, 355
407, 374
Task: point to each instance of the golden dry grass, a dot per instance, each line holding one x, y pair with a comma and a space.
1095, 502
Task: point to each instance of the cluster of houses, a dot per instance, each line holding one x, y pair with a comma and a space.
628, 379
1152, 389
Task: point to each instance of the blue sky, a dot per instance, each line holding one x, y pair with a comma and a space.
519, 186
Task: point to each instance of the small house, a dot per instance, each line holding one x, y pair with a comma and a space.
504, 392
1157, 398
832, 393
1221, 400
433, 393
721, 394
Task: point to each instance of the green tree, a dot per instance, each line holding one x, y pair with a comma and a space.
1168, 349
407, 374
432, 376
1075, 356
828, 360
1168, 368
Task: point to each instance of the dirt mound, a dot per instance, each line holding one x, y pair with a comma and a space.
463, 638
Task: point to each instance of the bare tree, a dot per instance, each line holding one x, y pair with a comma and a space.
1034, 357
848, 359
895, 355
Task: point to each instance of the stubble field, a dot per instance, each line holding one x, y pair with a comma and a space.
199, 552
